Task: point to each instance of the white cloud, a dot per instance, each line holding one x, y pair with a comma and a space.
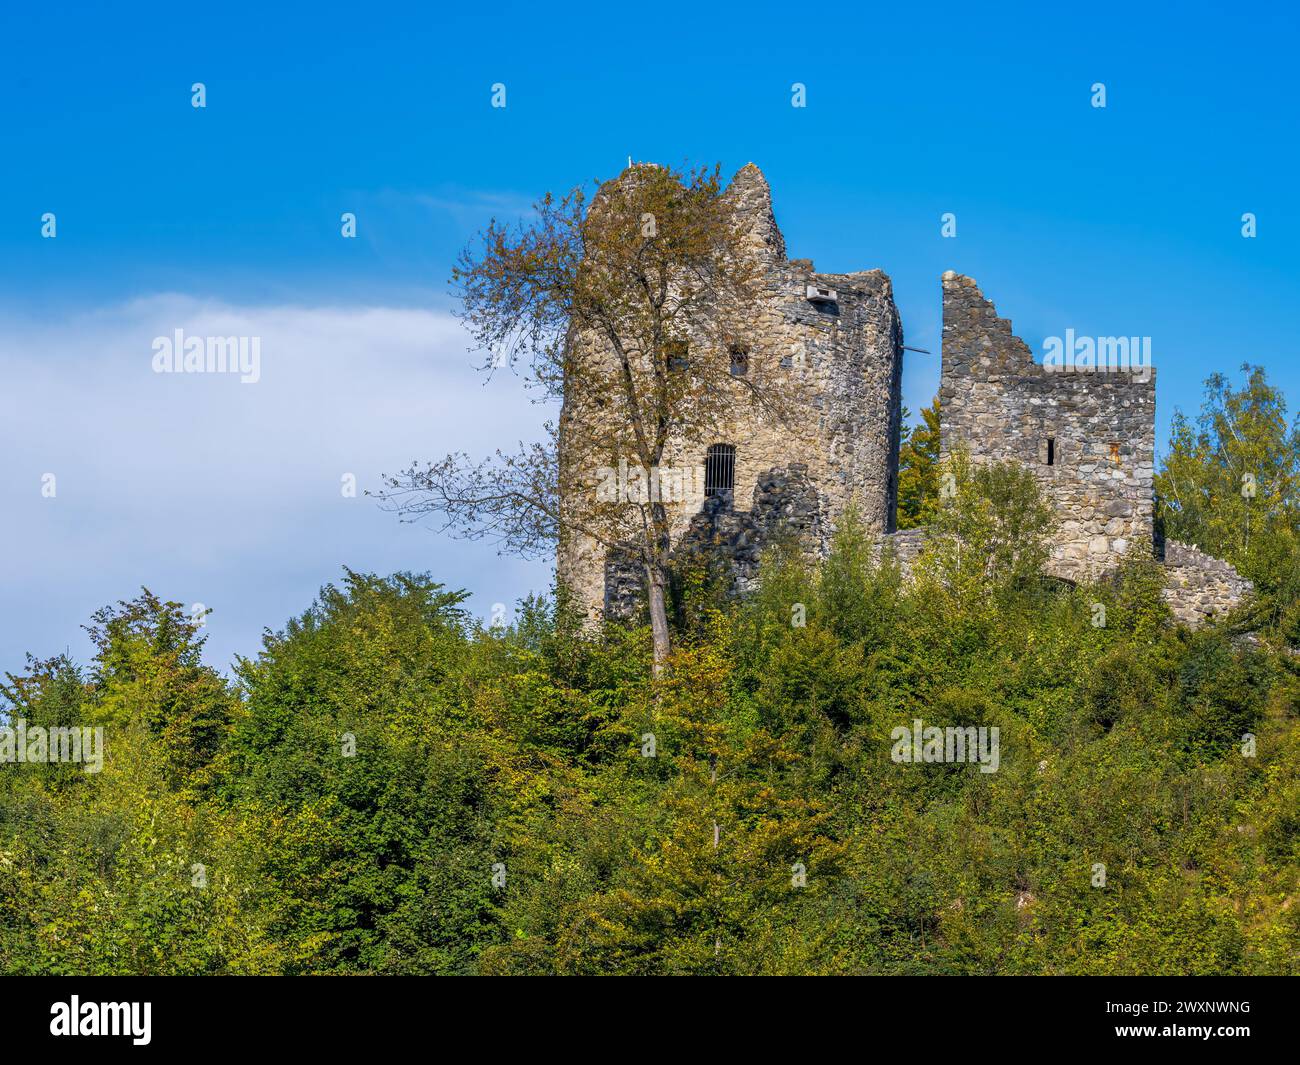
210, 490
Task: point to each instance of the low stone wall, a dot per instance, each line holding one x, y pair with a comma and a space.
904, 545
1198, 586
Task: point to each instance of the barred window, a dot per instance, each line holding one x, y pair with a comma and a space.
720, 470
739, 361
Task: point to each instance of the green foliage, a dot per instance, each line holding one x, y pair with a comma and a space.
988, 538
1240, 440
354, 795
918, 470
1230, 486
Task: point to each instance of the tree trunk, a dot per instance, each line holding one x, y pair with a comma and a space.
658, 616
657, 583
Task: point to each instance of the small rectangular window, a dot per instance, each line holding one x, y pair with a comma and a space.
739, 361
720, 470
677, 351
1051, 451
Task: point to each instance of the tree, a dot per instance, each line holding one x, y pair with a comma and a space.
991, 536
918, 471
1229, 484
628, 312
1239, 441
149, 670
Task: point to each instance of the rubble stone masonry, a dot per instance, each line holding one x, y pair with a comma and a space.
841, 359
1087, 435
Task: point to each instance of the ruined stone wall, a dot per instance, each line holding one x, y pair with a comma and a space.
840, 360
1002, 405
727, 541
903, 547
1199, 587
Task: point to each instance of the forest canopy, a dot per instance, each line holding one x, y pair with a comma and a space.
389, 786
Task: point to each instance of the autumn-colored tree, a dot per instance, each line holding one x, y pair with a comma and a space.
627, 309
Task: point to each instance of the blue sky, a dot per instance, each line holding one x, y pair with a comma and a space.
1117, 221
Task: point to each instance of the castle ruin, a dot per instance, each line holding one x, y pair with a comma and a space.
834, 343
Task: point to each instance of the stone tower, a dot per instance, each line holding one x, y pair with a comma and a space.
833, 343
1088, 435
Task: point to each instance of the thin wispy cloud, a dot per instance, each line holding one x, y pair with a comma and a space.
231, 494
